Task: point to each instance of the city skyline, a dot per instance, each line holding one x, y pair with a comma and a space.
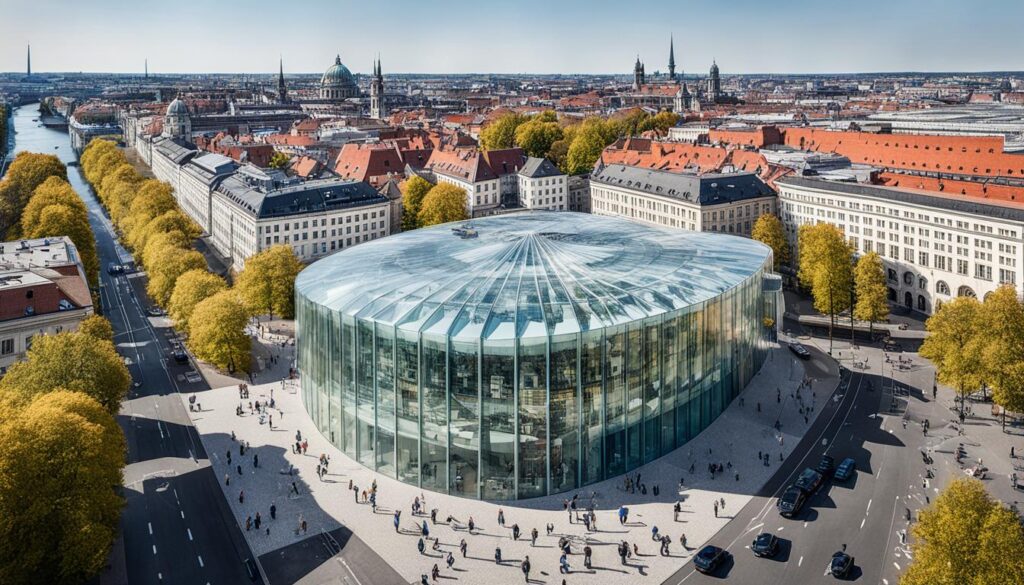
746, 38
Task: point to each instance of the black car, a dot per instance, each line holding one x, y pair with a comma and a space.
791, 501
113, 268
826, 465
840, 565
800, 351
765, 545
809, 480
709, 558
180, 356
845, 469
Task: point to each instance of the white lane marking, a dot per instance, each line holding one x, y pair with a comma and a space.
885, 582
150, 528
160, 428
897, 566
862, 521
868, 511
189, 533
805, 524
800, 562
200, 560
349, 569
182, 514
160, 576
781, 528
154, 549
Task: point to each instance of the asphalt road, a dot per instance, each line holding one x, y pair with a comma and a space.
865, 513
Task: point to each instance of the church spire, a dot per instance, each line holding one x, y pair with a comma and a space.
282, 90
671, 59
29, 60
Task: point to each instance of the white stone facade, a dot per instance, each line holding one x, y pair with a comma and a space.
549, 193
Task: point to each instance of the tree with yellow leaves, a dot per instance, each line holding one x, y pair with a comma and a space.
965, 537
97, 327
27, 172
164, 274
954, 344
413, 192
444, 203
267, 283
501, 133
768, 231
217, 333
71, 360
1001, 339
61, 220
872, 295
826, 267
62, 460
192, 288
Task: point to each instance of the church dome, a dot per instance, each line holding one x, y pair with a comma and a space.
177, 107
337, 75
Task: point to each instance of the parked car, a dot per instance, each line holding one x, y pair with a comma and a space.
826, 465
710, 558
791, 501
809, 481
180, 356
845, 469
765, 545
800, 351
155, 312
840, 564
113, 268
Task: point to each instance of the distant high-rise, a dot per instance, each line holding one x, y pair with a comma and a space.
29, 56
671, 59
147, 68
282, 90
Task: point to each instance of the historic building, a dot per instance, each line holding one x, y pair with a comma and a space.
337, 83
282, 90
377, 93
542, 186
177, 121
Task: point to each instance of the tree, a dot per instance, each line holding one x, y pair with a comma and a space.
53, 190
501, 133
74, 361
173, 220
267, 283
584, 150
192, 288
164, 274
826, 265
445, 202
218, 331
768, 231
1001, 338
966, 538
62, 460
61, 220
97, 327
27, 172
536, 137
279, 160
413, 192
954, 337
872, 300
157, 246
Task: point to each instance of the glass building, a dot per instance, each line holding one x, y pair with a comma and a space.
532, 353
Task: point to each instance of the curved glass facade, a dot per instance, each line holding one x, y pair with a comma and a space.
532, 354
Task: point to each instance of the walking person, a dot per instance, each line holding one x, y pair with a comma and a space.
563, 564
676, 509
525, 567
587, 552
273, 511
716, 508
420, 545
396, 521
450, 560
471, 525
515, 532
533, 537
463, 547
501, 517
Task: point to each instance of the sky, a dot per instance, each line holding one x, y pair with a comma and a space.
525, 36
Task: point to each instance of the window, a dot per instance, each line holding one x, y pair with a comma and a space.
7, 347
941, 287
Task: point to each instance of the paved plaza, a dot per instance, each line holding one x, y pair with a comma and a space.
289, 482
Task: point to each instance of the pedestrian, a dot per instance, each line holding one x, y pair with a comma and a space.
563, 564
239, 469
258, 521
450, 560
241, 497
248, 523
515, 532
471, 524
434, 573
716, 509
636, 550
420, 546
587, 552
396, 519
664, 545
497, 555
623, 551
227, 479
586, 521
622, 514
654, 533
303, 524
425, 530
501, 517
533, 537
550, 528
676, 509
433, 512
463, 547
1012, 454
273, 511
525, 566
229, 456
256, 460
722, 500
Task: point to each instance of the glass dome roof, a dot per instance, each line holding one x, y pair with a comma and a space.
529, 274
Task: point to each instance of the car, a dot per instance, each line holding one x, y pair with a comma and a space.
845, 469
826, 465
840, 564
791, 501
800, 351
765, 545
809, 481
180, 356
113, 268
155, 312
709, 558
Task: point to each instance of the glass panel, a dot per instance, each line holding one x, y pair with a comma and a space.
434, 469
533, 416
464, 418
565, 441
615, 395
348, 387
593, 404
652, 388
634, 395
407, 351
497, 431
335, 391
364, 393
670, 359
385, 400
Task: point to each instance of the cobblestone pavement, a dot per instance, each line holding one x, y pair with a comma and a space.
285, 479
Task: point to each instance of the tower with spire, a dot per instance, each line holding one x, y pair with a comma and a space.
29, 61
282, 90
714, 83
671, 59
638, 74
146, 67
377, 92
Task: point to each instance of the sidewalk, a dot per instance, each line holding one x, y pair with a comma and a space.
734, 440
